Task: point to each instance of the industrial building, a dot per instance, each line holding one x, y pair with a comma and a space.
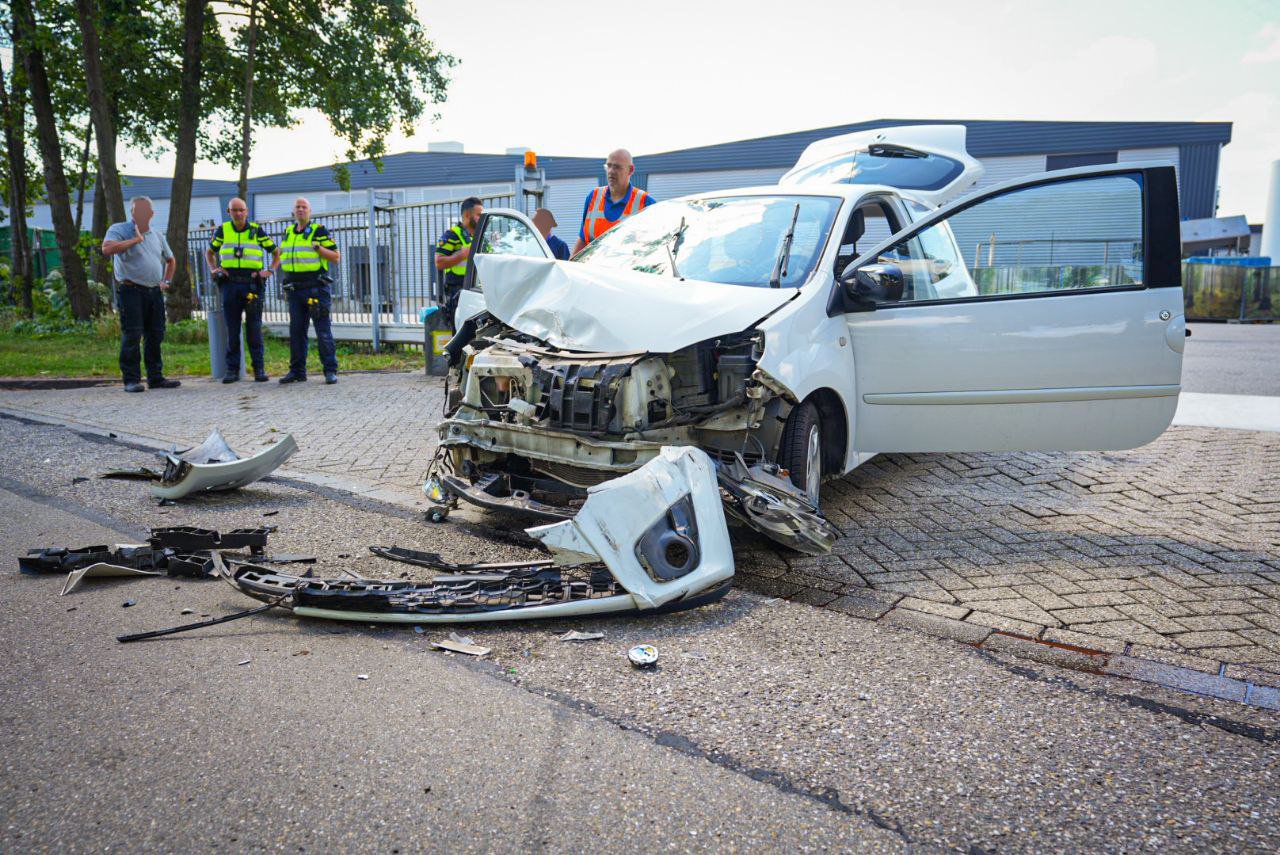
1007, 149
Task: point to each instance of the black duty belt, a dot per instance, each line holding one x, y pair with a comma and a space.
138, 285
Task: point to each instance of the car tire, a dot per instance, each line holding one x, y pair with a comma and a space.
800, 450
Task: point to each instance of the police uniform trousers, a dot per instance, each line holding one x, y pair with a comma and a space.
236, 302
302, 313
452, 288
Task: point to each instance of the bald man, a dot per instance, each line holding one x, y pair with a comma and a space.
610, 204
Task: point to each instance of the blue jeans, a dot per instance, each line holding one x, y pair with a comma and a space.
300, 315
235, 302
141, 317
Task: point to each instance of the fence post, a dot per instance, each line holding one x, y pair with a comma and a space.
375, 299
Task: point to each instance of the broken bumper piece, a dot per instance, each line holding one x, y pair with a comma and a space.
654, 540
214, 466
492, 493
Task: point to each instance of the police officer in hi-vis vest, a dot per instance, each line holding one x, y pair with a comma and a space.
452, 251
237, 257
305, 255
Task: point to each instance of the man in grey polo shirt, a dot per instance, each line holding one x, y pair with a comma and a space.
143, 265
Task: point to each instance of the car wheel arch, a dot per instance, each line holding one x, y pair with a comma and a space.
834, 425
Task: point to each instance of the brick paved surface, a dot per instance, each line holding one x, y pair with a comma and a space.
1170, 552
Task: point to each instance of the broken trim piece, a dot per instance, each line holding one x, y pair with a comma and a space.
101, 571
183, 476
434, 561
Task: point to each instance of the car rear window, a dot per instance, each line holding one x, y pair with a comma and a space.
893, 166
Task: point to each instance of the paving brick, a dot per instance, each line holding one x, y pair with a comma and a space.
929, 607
1152, 619
1194, 640
1209, 623
868, 604
1091, 615
1099, 598
1005, 624
1042, 597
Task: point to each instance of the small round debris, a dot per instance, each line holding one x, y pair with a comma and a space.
643, 656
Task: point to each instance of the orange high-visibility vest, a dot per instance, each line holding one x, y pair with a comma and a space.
595, 223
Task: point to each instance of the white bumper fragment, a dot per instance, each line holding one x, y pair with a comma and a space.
636, 524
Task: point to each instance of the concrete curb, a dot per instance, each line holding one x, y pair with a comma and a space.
1135, 662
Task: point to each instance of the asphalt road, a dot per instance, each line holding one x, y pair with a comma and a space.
1232, 359
768, 724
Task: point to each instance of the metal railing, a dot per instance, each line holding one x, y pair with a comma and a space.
377, 295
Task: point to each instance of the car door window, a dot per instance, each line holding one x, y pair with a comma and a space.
1069, 235
502, 234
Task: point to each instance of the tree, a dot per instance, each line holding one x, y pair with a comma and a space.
189, 107
251, 44
104, 130
31, 43
14, 109
366, 65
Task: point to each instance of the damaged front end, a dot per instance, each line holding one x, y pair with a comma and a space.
529, 428
652, 540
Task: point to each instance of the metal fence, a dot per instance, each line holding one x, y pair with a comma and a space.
377, 295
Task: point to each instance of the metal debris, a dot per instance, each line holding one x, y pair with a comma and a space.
461, 644
574, 635
761, 498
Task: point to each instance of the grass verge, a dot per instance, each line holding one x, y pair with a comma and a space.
94, 351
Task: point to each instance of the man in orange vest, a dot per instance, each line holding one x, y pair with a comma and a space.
609, 205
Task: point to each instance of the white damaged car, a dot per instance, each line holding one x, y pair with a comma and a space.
862, 305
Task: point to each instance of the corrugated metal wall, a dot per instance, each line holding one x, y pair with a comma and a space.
1001, 169
565, 198
674, 184
1198, 184
203, 208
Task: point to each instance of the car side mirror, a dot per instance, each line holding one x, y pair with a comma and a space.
871, 284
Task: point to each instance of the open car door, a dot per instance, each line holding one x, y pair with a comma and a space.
1042, 314
501, 231
928, 162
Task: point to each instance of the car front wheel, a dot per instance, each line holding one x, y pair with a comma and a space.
800, 450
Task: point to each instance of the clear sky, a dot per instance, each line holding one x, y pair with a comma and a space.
574, 78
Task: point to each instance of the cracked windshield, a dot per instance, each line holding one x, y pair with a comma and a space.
735, 240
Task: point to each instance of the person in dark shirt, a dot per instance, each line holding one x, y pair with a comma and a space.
545, 222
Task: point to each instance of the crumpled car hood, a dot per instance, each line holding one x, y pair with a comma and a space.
580, 307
